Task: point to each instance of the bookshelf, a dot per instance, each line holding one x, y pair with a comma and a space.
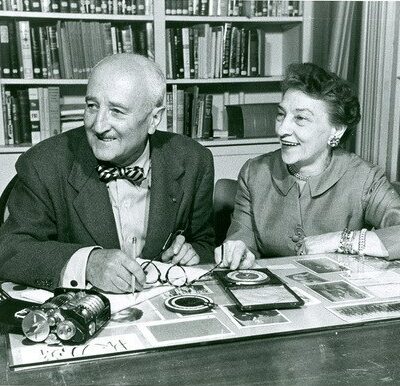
289, 39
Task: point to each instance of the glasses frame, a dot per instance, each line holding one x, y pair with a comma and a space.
145, 264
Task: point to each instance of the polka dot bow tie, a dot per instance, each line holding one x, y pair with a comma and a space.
110, 173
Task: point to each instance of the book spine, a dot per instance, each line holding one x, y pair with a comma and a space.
179, 53
54, 55
36, 58
16, 124
35, 6
227, 45
3, 135
169, 111
150, 41
24, 119
5, 60
34, 114
25, 49
186, 52
9, 131
140, 7
14, 60
54, 110
43, 52
207, 120
45, 5
180, 112
126, 38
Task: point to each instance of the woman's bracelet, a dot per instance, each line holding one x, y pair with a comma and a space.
361, 241
345, 241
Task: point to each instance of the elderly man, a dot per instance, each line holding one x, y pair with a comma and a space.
91, 199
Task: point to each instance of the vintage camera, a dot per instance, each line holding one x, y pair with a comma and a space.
72, 316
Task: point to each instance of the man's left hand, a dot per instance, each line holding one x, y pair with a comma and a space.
181, 253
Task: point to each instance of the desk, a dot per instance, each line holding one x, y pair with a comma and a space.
358, 355
365, 354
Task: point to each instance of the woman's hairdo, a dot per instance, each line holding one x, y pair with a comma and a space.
344, 108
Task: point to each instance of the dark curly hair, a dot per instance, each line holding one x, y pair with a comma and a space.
343, 105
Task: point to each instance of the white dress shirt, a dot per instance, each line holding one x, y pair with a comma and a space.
130, 204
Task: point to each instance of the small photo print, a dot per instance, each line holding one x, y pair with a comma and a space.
184, 330
306, 278
339, 291
369, 311
321, 265
307, 298
186, 290
253, 318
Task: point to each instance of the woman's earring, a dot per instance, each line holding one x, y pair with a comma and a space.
333, 141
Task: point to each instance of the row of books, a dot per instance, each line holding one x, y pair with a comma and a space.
30, 115
249, 8
204, 51
66, 49
189, 112
110, 7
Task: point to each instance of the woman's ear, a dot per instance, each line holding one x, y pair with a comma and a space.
155, 119
338, 131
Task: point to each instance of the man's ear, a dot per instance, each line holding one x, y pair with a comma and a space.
338, 131
155, 119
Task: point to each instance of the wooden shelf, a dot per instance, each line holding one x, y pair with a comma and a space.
235, 19
14, 149
265, 79
268, 79
43, 81
74, 16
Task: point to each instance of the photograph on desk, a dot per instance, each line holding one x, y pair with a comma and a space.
195, 329
306, 278
369, 311
193, 289
243, 319
321, 265
339, 291
306, 297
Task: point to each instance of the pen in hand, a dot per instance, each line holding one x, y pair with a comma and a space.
133, 255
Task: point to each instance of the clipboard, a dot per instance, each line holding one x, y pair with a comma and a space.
257, 289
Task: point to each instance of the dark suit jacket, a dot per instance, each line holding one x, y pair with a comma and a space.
59, 205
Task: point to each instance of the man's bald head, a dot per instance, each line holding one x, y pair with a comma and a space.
134, 68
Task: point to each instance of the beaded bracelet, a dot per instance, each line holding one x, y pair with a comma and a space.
343, 240
361, 242
348, 243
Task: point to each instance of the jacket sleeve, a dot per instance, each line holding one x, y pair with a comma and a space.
201, 228
31, 251
382, 211
241, 227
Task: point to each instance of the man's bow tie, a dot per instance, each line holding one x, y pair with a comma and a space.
109, 173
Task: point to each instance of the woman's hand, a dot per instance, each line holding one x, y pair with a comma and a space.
325, 243
234, 254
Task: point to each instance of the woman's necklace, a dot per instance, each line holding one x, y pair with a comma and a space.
296, 174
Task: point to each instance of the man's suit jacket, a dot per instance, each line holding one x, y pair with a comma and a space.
59, 205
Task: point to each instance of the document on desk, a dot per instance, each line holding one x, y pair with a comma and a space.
118, 302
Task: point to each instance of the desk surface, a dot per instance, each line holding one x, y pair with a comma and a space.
358, 355
362, 354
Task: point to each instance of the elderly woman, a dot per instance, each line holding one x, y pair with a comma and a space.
311, 196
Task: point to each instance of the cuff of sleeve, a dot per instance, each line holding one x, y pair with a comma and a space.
73, 274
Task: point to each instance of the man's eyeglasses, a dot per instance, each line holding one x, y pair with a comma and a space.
175, 275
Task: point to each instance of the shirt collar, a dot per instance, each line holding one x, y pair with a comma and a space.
144, 160
319, 184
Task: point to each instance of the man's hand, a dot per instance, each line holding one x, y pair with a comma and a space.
111, 270
181, 253
235, 255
